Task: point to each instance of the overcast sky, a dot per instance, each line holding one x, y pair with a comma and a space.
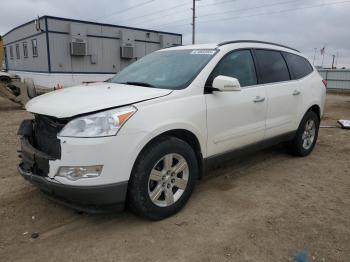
302, 24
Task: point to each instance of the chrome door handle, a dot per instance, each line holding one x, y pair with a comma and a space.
259, 99
296, 93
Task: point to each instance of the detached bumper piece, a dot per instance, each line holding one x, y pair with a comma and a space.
35, 168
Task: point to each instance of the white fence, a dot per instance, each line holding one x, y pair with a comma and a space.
336, 78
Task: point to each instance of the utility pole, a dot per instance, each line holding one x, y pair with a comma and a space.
323, 51
333, 61
336, 59
322, 59
314, 56
193, 22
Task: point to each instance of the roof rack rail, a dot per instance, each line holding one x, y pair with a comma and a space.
255, 41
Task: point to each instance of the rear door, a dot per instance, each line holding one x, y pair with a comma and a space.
237, 118
300, 69
282, 93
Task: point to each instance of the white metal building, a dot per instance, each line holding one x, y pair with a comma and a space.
54, 50
336, 78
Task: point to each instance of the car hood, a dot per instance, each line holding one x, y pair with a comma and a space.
83, 99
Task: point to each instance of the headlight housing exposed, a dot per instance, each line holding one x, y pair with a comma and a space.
106, 123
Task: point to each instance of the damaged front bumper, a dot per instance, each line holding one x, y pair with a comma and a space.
90, 199
32, 158
35, 166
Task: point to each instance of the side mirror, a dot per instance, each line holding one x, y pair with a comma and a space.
226, 84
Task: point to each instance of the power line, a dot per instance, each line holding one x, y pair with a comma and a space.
238, 10
159, 11
172, 9
252, 8
127, 9
269, 13
281, 11
218, 3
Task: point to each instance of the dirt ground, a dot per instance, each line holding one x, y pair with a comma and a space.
266, 207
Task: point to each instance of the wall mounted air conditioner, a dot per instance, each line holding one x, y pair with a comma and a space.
127, 51
78, 47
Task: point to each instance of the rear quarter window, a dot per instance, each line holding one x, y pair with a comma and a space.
299, 67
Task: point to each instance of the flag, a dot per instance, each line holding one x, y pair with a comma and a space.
323, 50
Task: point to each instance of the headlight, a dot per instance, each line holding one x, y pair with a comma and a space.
106, 123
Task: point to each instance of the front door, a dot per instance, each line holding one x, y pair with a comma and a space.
237, 118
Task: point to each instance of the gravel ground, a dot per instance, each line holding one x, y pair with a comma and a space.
266, 207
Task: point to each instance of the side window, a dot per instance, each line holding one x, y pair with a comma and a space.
18, 56
272, 66
34, 47
298, 65
11, 52
25, 50
238, 64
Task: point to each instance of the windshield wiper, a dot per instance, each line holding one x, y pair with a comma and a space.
138, 84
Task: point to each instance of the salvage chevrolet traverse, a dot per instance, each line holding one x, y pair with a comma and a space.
144, 137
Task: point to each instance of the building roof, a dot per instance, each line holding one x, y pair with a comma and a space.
91, 23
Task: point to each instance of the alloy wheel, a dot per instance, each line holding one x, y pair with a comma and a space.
168, 180
308, 136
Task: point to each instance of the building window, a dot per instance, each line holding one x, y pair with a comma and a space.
11, 52
18, 56
25, 50
35, 47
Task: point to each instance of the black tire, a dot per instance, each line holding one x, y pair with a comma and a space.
138, 198
296, 145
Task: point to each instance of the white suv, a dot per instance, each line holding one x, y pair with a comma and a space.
145, 136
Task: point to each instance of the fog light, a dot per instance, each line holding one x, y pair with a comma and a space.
78, 172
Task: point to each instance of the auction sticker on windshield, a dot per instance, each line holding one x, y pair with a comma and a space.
202, 52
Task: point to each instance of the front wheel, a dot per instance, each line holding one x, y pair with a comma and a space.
162, 179
306, 136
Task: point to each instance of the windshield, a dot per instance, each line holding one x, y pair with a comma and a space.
173, 69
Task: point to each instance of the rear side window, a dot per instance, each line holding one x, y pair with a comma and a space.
238, 64
272, 66
298, 66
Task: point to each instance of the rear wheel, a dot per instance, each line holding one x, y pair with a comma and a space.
306, 136
163, 178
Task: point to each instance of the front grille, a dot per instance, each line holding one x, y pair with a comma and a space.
45, 135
